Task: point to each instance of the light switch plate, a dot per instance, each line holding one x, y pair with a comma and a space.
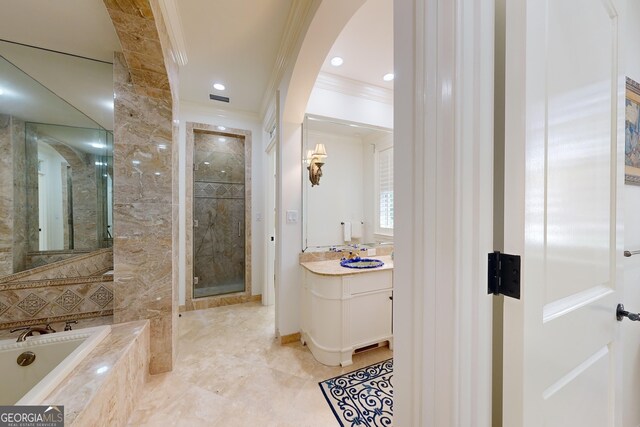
292, 217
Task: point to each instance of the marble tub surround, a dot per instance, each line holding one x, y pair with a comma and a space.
105, 387
13, 203
238, 375
235, 185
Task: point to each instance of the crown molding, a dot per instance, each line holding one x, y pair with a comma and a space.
173, 22
296, 22
352, 87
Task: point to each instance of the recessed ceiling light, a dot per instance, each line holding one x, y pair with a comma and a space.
222, 128
219, 86
207, 163
336, 61
388, 77
162, 146
222, 139
135, 162
157, 173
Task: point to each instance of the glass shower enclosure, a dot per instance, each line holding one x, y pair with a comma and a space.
219, 214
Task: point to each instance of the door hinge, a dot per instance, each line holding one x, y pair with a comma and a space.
195, 166
504, 274
195, 280
195, 223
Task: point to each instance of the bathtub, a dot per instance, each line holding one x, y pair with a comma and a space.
57, 355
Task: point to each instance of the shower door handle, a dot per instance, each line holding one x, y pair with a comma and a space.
239, 228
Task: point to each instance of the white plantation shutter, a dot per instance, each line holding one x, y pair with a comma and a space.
385, 190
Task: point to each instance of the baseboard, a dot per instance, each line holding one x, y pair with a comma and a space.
288, 339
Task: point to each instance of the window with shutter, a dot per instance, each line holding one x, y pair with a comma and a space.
385, 192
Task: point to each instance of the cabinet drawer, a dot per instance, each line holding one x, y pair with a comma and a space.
369, 281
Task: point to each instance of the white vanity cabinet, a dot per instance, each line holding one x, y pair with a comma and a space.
343, 310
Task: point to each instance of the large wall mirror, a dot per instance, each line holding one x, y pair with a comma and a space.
56, 165
351, 201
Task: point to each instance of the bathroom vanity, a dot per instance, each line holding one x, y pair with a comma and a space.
344, 310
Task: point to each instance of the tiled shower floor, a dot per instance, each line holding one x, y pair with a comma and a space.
231, 372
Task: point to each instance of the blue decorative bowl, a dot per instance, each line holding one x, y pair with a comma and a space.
361, 263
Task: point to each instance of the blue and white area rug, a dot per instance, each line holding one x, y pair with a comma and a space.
363, 397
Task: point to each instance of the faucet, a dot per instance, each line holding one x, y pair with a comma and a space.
68, 323
27, 331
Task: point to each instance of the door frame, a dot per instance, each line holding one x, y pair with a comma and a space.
444, 53
268, 293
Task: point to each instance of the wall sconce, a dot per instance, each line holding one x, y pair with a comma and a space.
315, 160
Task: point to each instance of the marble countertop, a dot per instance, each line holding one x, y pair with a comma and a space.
333, 267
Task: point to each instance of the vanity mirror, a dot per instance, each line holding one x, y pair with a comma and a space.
352, 200
56, 166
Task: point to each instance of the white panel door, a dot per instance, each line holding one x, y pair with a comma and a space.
563, 172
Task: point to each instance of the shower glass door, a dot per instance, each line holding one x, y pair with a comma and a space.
219, 214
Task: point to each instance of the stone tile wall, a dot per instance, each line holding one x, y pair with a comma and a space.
66, 290
38, 259
13, 207
145, 199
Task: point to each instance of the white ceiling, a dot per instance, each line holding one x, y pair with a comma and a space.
233, 42
366, 45
80, 27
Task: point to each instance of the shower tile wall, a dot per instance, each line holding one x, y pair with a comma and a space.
219, 209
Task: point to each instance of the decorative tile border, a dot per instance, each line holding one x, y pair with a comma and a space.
69, 300
41, 305
32, 304
56, 282
102, 296
34, 322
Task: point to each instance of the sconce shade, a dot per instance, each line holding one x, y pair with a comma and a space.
320, 150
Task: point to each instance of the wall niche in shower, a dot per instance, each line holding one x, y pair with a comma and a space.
219, 210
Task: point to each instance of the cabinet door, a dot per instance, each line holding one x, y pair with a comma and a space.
370, 318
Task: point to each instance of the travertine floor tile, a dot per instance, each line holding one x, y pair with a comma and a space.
230, 371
